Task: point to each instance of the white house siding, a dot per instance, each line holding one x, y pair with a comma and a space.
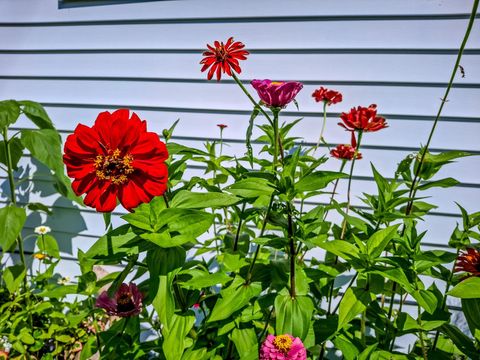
144, 56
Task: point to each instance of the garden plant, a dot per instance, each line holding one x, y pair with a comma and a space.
227, 265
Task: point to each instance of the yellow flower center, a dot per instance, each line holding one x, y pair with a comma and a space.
276, 83
114, 167
283, 343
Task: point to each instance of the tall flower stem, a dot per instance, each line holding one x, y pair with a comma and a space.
344, 162
413, 186
239, 228
320, 139
11, 182
276, 139
291, 240
344, 227
239, 83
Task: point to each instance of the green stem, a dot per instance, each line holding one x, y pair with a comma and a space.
275, 140
343, 295
292, 251
416, 179
257, 250
344, 162
11, 183
320, 139
239, 228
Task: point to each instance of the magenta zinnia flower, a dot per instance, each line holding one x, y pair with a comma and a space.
282, 347
127, 301
277, 93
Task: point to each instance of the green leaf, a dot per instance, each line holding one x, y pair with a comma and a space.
341, 248
379, 241
462, 341
35, 206
9, 113
45, 146
16, 152
248, 135
353, 303
202, 279
175, 341
48, 245
245, 341
234, 298
114, 243
251, 188
426, 299
317, 180
13, 277
12, 219
471, 310
162, 261
59, 292
444, 183
397, 275
467, 289
293, 315
192, 200
37, 114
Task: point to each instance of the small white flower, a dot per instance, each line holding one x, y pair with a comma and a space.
63, 281
42, 230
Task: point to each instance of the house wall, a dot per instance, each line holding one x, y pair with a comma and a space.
397, 54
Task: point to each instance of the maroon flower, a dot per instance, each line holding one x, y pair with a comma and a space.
328, 96
346, 152
363, 118
469, 262
222, 126
127, 301
276, 93
223, 58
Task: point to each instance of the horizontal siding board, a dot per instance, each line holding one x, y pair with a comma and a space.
422, 34
391, 100
328, 67
47, 10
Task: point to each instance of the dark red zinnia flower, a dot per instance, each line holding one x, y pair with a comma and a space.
469, 261
116, 158
127, 301
223, 58
276, 93
222, 126
363, 118
328, 96
346, 152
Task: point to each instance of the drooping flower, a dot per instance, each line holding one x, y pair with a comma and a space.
222, 126
42, 230
116, 158
363, 118
3, 355
223, 58
277, 94
346, 152
330, 97
282, 347
469, 262
127, 301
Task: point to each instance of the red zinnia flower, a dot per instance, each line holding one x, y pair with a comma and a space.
277, 93
222, 126
3, 355
469, 262
363, 118
328, 96
223, 58
127, 301
346, 152
116, 157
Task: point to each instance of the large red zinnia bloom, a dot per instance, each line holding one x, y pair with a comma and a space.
116, 158
223, 58
363, 118
276, 94
328, 96
127, 301
469, 262
345, 152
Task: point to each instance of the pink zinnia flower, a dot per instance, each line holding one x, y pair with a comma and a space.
277, 93
282, 347
127, 301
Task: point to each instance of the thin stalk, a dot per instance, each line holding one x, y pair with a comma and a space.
420, 333
320, 139
239, 83
413, 187
275, 140
344, 227
239, 228
343, 295
257, 250
344, 162
11, 182
292, 250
